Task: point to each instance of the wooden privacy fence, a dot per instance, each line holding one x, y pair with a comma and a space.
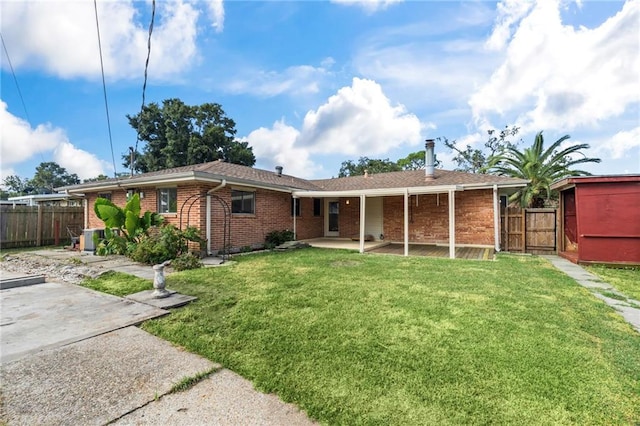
35, 226
528, 230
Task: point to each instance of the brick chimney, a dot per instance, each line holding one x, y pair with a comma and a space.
430, 160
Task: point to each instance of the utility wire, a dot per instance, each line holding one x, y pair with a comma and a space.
15, 79
104, 89
144, 85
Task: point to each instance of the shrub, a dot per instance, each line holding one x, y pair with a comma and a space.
186, 261
275, 238
167, 244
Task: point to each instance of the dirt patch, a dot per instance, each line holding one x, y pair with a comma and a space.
70, 271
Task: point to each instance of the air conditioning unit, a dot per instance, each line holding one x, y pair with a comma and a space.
89, 244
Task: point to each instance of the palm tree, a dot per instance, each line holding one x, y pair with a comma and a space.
540, 167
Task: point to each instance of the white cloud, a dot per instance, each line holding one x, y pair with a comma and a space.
276, 147
216, 11
21, 142
369, 6
555, 76
624, 142
60, 37
301, 79
509, 13
78, 161
359, 120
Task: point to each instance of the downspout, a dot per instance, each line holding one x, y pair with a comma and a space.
406, 222
208, 215
295, 233
452, 224
496, 218
362, 219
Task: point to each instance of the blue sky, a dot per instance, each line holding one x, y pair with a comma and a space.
311, 84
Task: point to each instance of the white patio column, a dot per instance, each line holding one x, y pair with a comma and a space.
496, 218
208, 225
452, 224
295, 234
362, 215
406, 222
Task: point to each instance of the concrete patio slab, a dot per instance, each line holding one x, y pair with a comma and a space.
225, 398
94, 381
13, 279
175, 299
49, 315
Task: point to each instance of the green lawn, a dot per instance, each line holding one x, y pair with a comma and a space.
626, 280
370, 339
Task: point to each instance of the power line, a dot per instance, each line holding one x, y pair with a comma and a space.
144, 85
15, 79
104, 88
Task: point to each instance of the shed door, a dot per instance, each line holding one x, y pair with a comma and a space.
570, 221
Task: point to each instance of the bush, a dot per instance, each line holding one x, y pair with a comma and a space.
275, 238
167, 244
186, 261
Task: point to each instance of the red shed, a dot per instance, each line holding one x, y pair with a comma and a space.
600, 219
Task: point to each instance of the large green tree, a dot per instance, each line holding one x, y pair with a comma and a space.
541, 167
176, 134
49, 175
371, 165
476, 160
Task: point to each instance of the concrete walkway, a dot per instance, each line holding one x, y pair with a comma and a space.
628, 308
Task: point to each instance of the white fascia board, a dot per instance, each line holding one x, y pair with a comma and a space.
380, 192
490, 185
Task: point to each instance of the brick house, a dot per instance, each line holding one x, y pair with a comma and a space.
428, 207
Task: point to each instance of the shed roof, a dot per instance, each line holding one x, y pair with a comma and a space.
572, 181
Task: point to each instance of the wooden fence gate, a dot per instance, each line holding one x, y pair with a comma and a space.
528, 230
34, 226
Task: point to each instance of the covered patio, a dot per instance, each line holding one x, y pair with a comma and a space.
385, 247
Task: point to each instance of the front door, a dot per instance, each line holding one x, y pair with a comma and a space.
332, 224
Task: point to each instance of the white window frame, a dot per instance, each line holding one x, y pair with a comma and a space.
168, 192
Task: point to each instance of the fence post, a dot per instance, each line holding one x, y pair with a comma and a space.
39, 227
56, 232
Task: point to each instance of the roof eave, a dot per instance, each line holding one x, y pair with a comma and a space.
191, 176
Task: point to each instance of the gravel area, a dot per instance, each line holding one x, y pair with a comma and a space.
71, 270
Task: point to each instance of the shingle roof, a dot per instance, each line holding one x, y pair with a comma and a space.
217, 169
249, 175
412, 178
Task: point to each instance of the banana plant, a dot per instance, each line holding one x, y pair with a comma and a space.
127, 220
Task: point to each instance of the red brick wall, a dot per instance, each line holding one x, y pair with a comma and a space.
272, 213
429, 219
349, 217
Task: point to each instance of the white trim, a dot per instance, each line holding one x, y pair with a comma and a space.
406, 222
362, 219
452, 224
328, 233
378, 192
496, 217
295, 234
